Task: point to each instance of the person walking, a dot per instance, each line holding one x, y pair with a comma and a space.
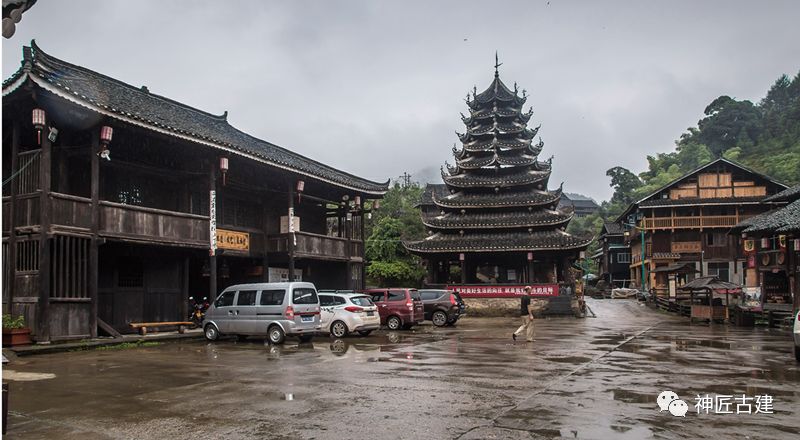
527, 317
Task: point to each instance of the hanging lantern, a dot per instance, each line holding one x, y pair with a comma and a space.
38, 119
223, 168
460, 257
797, 244
106, 134
358, 201
301, 185
376, 204
765, 243
530, 256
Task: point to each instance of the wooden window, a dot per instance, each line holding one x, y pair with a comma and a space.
623, 257
131, 272
69, 268
198, 202
716, 239
27, 256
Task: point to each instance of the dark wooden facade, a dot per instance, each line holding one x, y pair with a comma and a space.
128, 239
687, 221
614, 257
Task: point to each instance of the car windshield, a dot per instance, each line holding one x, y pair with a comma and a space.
363, 301
304, 296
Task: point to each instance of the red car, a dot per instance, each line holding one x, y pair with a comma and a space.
398, 307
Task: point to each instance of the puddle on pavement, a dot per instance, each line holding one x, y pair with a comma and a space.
574, 360
632, 397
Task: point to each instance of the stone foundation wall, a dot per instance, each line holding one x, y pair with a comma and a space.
501, 306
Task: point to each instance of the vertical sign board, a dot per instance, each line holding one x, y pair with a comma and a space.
212, 222
291, 225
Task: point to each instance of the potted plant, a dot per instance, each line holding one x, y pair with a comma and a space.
14, 331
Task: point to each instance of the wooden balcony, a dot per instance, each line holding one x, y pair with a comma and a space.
686, 247
312, 246
695, 222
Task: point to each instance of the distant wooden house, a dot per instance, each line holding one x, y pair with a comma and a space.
687, 221
613, 258
185, 205
583, 206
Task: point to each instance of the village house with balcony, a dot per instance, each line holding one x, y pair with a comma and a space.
119, 204
686, 224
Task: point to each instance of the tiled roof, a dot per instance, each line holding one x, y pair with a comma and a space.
783, 220
501, 200
431, 189
499, 242
522, 177
138, 106
787, 195
492, 220
613, 228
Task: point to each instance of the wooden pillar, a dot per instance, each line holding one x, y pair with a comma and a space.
265, 257
45, 175
430, 268
463, 259
94, 257
348, 249
290, 238
12, 237
184, 302
212, 214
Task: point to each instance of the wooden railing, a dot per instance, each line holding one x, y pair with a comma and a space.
680, 247
698, 222
310, 245
149, 224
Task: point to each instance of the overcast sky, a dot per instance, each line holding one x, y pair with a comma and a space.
375, 87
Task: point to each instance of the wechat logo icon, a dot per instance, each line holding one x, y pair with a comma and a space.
669, 401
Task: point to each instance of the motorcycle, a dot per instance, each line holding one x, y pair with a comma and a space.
197, 311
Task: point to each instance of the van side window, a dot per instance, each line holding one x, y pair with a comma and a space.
225, 300
397, 295
246, 298
304, 295
272, 297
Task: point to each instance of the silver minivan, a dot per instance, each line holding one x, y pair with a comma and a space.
274, 310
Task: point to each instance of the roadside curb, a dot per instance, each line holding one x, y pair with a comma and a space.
29, 350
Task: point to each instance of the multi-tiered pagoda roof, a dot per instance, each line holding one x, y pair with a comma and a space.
496, 196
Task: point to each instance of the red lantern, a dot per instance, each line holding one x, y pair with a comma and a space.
358, 201
38, 118
376, 204
106, 133
301, 185
765, 243
530, 256
460, 257
223, 167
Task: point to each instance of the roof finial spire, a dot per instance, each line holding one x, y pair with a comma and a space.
497, 64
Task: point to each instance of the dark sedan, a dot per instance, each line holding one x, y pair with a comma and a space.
442, 307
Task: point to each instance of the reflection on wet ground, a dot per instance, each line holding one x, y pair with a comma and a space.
592, 378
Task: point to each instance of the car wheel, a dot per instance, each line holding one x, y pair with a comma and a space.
306, 338
339, 329
394, 323
211, 332
364, 332
439, 318
276, 335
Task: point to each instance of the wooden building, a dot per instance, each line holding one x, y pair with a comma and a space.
771, 244
494, 222
687, 221
614, 256
582, 206
119, 204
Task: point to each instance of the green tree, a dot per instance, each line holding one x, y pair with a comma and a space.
624, 183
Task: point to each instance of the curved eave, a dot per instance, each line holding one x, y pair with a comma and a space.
529, 178
557, 221
482, 115
477, 163
492, 245
51, 86
493, 202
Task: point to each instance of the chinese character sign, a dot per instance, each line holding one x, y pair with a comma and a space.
504, 291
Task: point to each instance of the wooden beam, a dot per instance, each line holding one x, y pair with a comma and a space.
12, 238
108, 329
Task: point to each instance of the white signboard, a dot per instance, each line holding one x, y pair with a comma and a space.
212, 222
281, 275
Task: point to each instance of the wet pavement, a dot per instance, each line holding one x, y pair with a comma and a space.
594, 378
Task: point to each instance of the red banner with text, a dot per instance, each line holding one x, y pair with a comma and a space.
502, 291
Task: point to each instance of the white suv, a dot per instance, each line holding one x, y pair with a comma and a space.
343, 313
797, 335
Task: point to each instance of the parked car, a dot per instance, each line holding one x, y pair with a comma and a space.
274, 310
343, 313
442, 307
398, 307
797, 335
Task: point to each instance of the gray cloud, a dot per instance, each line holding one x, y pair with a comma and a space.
375, 88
